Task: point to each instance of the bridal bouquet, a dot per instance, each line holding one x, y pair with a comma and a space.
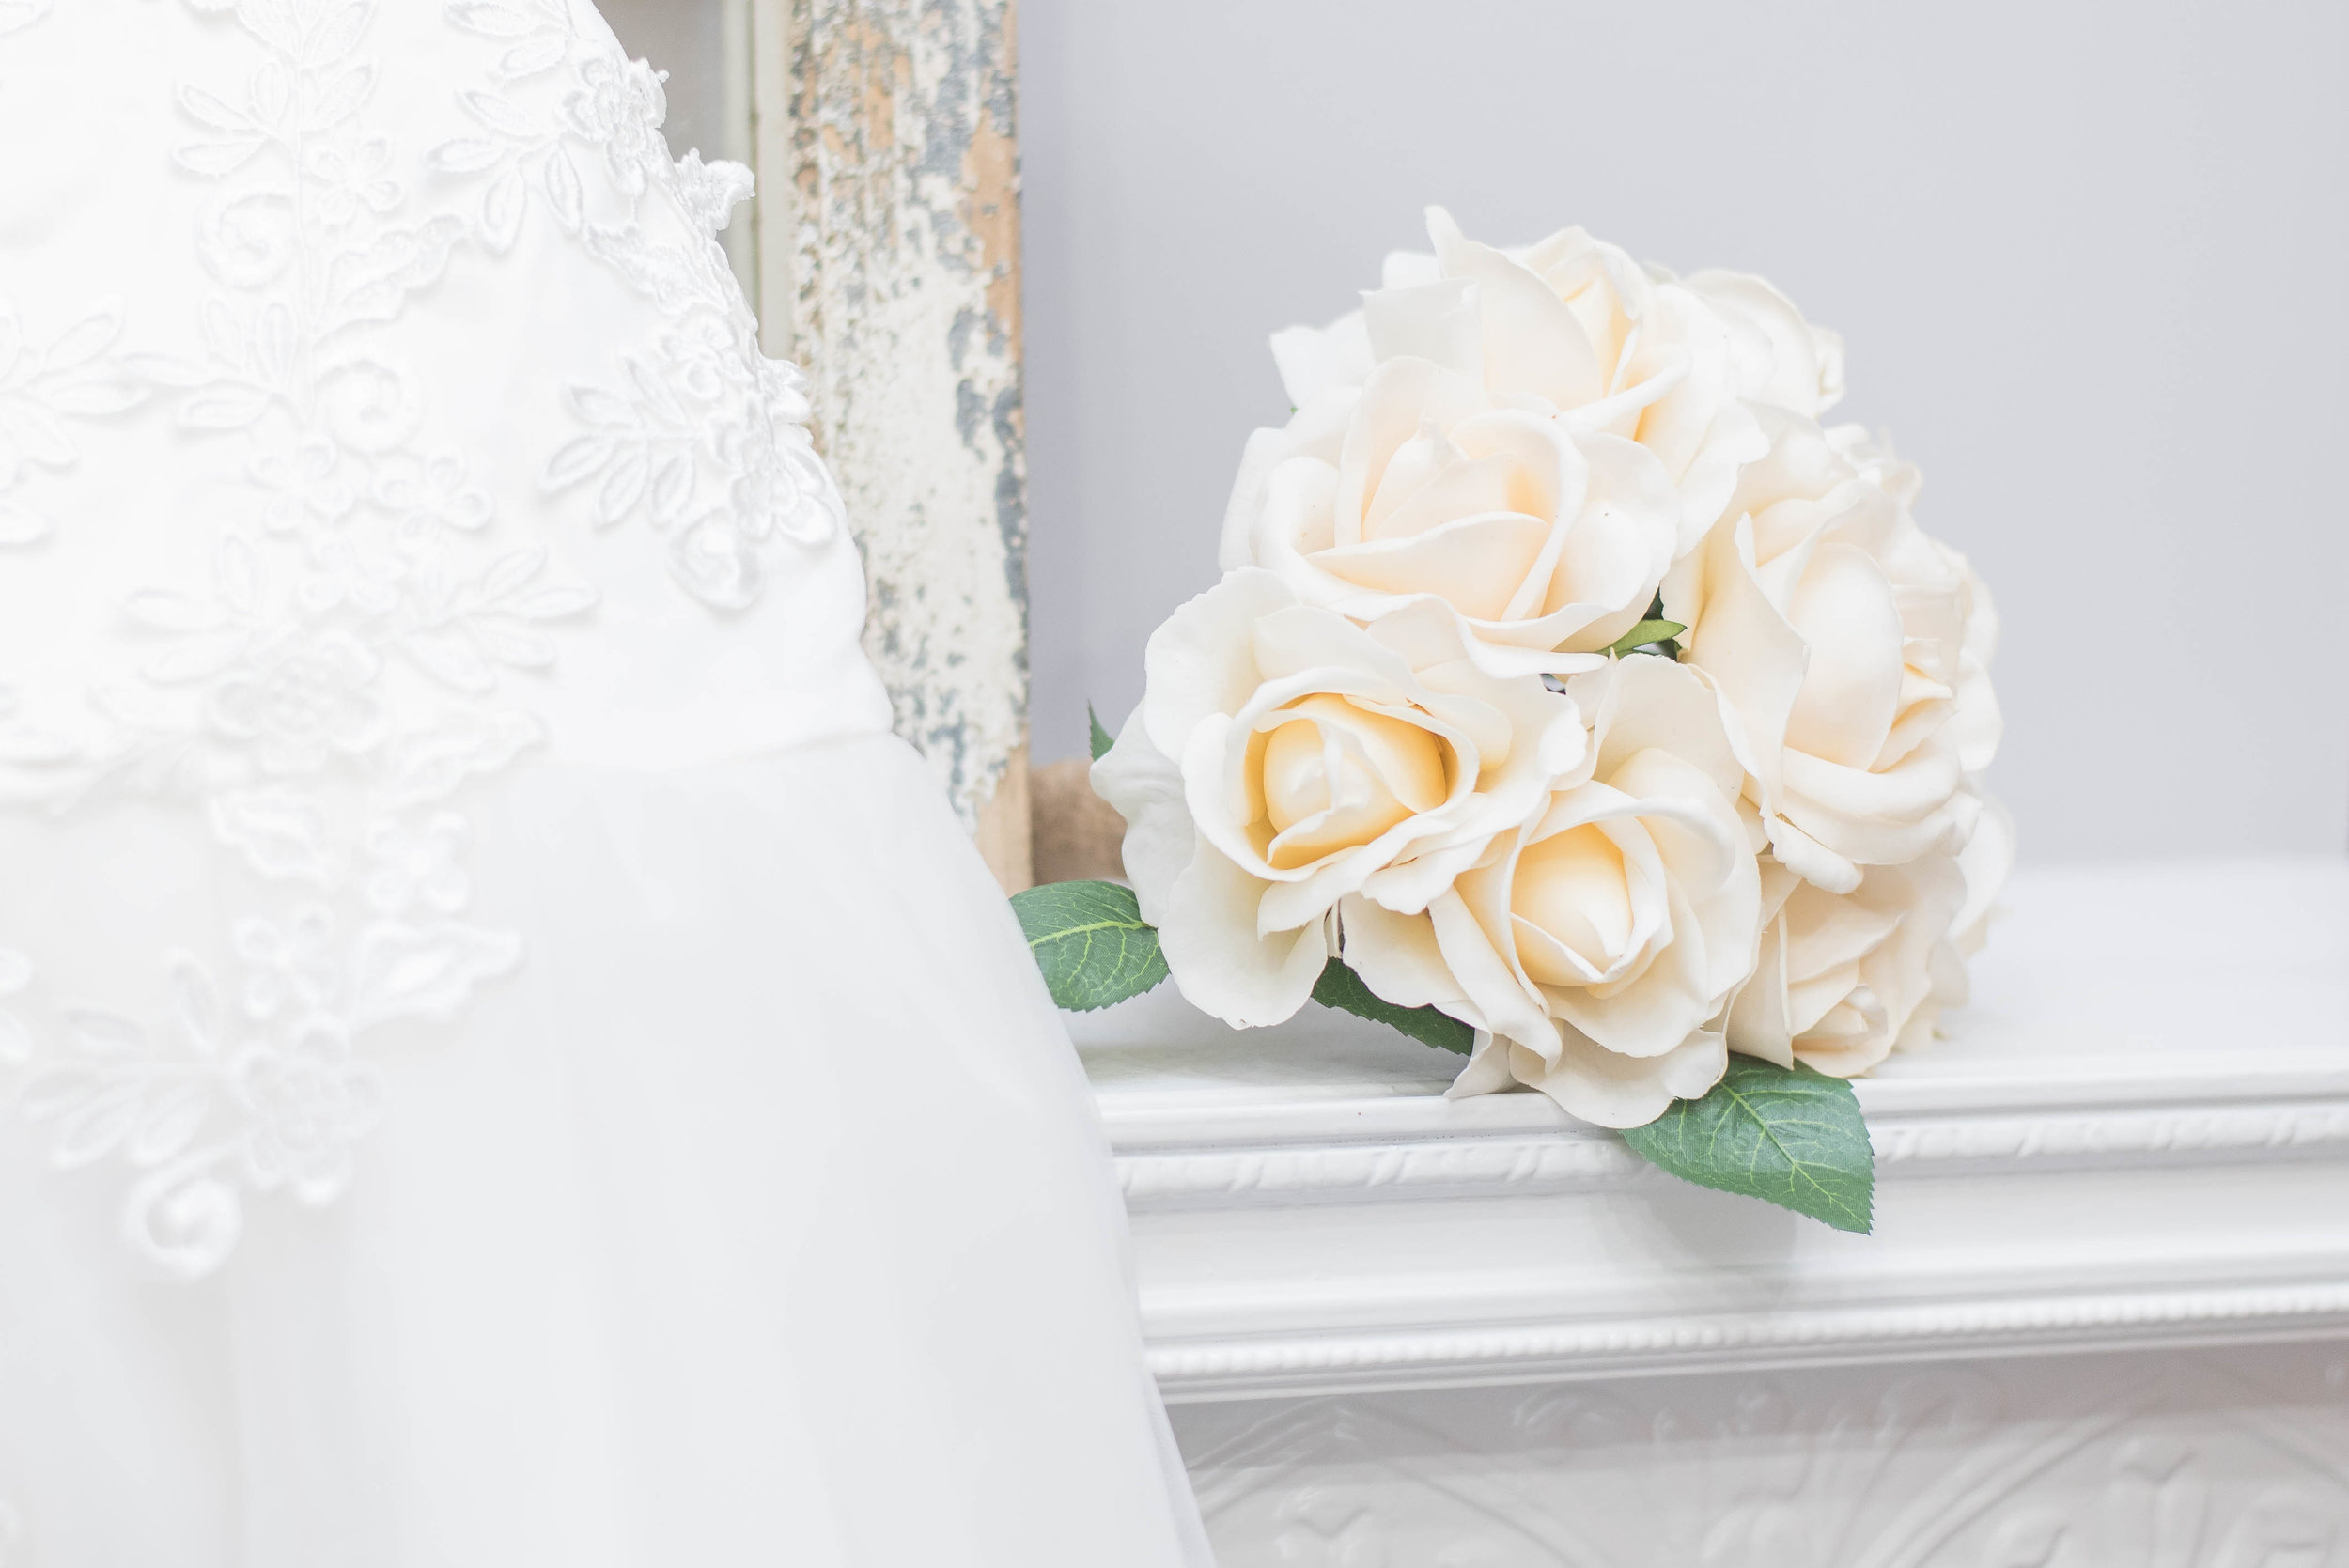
1574, 700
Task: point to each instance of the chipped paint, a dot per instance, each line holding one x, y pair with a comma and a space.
899, 257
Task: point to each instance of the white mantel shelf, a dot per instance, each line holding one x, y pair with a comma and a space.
2137, 1135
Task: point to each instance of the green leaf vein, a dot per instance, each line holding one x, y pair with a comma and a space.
1789, 1136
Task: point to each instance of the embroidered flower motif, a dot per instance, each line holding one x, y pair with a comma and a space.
431, 494
709, 193
288, 967
341, 578
619, 107
348, 181
780, 483
308, 1101
417, 865
310, 486
643, 452
309, 703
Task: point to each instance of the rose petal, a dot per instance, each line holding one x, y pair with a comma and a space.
1198, 663
1219, 963
1435, 320
1531, 342
1397, 956
1146, 789
1316, 362
1611, 1090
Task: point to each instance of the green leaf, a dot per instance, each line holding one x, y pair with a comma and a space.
1341, 988
1091, 941
1793, 1137
1644, 634
1102, 739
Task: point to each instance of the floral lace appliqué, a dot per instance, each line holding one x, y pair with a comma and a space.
46, 388
696, 434
323, 693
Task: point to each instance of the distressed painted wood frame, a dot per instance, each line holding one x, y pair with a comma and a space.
888, 242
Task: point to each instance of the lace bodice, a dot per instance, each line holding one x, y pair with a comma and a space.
377, 413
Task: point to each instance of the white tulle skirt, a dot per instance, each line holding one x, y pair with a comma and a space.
759, 1217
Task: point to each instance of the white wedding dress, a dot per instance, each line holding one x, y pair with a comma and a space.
503, 1060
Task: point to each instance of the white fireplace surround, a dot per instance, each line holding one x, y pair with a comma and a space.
2113, 1202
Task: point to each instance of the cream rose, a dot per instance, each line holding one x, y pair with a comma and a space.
1843, 980
1574, 328
1284, 758
1854, 649
1598, 941
1420, 482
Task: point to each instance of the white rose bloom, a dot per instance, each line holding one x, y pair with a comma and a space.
1854, 649
1975, 723
1986, 862
1773, 355
1550, 543
1845, 979
1574, 328
1284, 758
1600, 941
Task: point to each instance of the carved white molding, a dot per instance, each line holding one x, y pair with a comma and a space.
1329, 1158
2111, 1152
1601, 1347
1456, 1213
2119, 1135
2232, 1461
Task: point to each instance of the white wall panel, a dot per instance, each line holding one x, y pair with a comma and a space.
2086, 256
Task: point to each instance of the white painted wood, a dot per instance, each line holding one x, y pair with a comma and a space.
2135, 1144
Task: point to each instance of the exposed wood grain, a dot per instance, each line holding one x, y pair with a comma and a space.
889, 256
